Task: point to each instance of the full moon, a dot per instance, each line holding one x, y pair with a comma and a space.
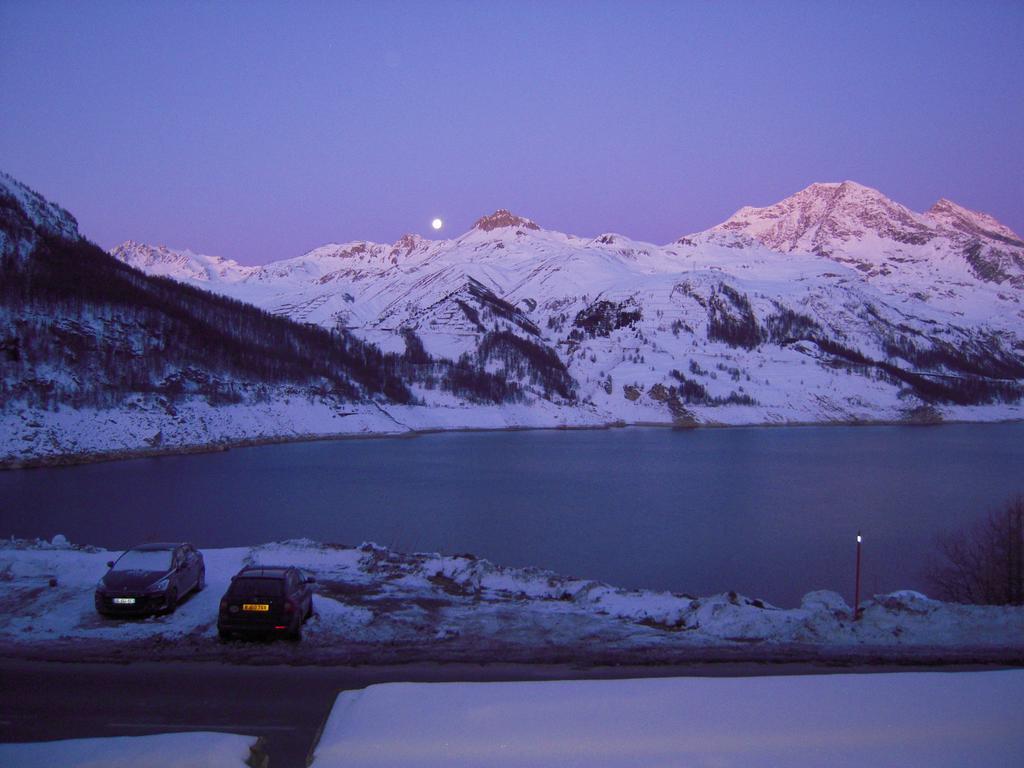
437, 223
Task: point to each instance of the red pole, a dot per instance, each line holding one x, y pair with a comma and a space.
856, 594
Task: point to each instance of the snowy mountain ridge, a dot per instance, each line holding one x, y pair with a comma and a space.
823, 217
180, 265
952, 216
834, 305
837, 275
858, 225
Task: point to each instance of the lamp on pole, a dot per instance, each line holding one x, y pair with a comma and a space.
856, 593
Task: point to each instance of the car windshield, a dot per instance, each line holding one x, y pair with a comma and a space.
143, 560
256, 586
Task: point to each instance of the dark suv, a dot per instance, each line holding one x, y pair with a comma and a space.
150, 578
266, 599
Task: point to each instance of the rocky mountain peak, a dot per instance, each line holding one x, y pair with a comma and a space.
405, 245
503, 218
946, 213
824, 216
159, 260
175, 263
408, 241
833, 189
153, 253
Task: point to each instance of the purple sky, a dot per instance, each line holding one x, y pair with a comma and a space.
258, 131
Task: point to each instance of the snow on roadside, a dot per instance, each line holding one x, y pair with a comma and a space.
370, 599
199, 749
921, 719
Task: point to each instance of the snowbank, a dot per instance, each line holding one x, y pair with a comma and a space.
375, 605
919, 719
168, 750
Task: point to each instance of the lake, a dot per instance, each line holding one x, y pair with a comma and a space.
769, 512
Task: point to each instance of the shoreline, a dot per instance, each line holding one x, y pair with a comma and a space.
97, 457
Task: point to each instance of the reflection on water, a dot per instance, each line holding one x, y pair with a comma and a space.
770, 512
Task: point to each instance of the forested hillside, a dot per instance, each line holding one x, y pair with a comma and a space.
80, 328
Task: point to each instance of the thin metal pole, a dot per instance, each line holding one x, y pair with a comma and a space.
856, 594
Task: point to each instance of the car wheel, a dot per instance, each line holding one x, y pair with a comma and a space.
295, 633
309, 611
223, 634
201, 580
172, 601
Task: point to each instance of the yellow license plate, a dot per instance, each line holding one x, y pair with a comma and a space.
255, 607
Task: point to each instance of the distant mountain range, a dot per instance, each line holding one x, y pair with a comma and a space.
98, 358
836, 304
921, 304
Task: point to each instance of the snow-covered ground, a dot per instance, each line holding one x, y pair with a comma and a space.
374, 605
168, 750
32, 436
925, 720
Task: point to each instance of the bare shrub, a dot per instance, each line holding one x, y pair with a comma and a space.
983, 564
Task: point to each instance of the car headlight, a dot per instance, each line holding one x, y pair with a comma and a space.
100, 586
160, 586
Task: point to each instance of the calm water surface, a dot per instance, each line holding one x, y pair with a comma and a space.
768, 512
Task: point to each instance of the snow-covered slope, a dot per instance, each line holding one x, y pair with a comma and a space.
834, 304
856, 225
98, 358
25, 215
181, 265
823, 218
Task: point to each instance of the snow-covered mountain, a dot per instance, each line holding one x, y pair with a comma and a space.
859, 226
25, 215
834, 304
98, 358
181, 265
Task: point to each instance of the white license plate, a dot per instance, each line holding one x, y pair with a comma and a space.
124, 601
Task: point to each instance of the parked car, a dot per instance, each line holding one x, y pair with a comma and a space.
265, 599
150, 578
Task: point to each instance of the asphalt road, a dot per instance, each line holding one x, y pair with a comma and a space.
285, 705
